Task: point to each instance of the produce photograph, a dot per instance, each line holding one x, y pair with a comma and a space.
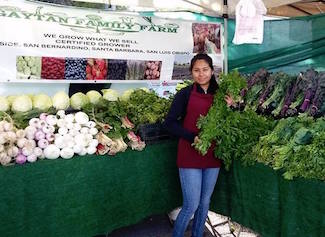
116, 69
75, 69
162, 118
28, 67
53, 68
182, 63
152, 71
206, 38
96, 69
135, 69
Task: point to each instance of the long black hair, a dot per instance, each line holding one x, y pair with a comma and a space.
208, 60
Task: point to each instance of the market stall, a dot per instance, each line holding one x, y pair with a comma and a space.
86, 164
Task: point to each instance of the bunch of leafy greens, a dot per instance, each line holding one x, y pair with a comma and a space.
142, 107
21, 119
234, 132
296, 146
109, 113
232, 84
145, 107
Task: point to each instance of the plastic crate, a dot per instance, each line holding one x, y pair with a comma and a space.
153, 133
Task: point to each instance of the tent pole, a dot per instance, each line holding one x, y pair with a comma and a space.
225, 20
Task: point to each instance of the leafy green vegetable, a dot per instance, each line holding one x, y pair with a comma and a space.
145, 107
283, 80
296, 146
183, 84
232, 84
142, 107
303, 136
235, 132
108, 113
21, 119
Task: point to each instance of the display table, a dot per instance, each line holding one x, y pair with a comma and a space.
260, 198
93, 195
88, 195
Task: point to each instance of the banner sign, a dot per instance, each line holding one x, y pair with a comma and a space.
42, 42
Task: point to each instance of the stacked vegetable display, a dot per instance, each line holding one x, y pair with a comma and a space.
118, 118
294, 145
283, 95
38, 126
48, 136
248, 130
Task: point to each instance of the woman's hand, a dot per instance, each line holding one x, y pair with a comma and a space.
229, 100
196, 140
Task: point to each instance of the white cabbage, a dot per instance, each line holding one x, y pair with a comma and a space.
42, 102
4, 104
61, 100
22, 103
78, 100
94, 96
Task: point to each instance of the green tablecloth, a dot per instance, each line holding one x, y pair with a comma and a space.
91, 195
258, 197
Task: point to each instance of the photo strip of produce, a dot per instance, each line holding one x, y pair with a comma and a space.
56, 68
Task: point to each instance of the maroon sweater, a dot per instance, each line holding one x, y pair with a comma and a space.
187, 157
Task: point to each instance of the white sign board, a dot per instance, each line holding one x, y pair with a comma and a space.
45, 43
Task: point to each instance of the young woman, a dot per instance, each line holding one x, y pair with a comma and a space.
198, 174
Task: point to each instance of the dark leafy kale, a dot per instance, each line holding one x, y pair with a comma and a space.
275, 96
319, 98
312, 78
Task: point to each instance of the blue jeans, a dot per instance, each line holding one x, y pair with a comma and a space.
197, 187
